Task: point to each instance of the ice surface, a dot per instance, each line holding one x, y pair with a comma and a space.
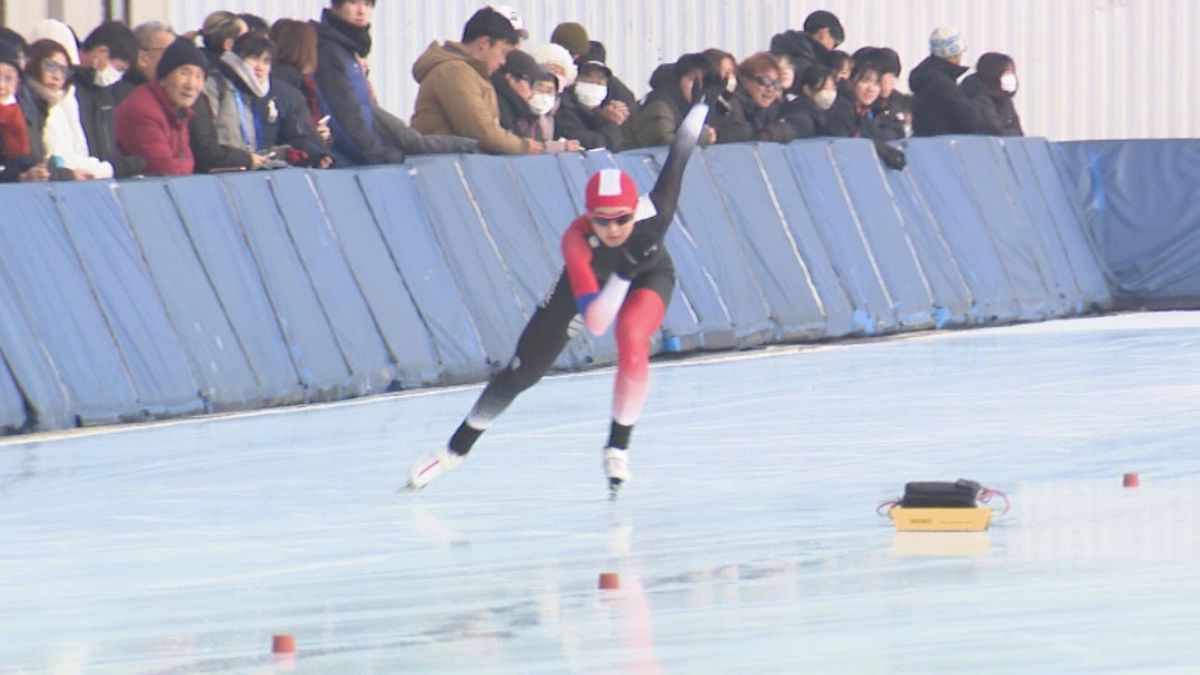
746, 540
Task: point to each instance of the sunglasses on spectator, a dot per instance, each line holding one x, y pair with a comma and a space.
52, 66
769, 83
609, 221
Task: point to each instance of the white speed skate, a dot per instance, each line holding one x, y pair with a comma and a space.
431, 466
616, 467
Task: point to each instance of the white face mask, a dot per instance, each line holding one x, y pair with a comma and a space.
590, 94
1008, 83
825, 98
109, 76
541, 104
730, 84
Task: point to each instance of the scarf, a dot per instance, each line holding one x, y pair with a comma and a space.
358, 37
51, 97
239, 69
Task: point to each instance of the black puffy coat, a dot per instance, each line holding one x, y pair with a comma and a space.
97, 106
803, 50
573, 122
939, 106
996, 110
765, 124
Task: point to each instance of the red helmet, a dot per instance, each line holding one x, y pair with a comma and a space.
611, 188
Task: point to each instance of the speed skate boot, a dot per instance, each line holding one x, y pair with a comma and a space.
616, 467
431, 466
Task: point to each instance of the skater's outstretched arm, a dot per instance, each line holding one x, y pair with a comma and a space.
665, 194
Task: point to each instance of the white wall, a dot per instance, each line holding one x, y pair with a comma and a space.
1088, 68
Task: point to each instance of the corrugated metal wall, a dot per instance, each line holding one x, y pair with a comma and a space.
1088, 68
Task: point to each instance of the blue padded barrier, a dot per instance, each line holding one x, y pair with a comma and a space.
487, 288
775, 261
33, 374
833, 301
391, 246
533, 262
301, 318
552, 208
135, 314
940, 184
350, 319
58, 302
1072, 231
221, 246
1009, 229
220, 367
881, 229
952, 298
843, 239
703, 306
704, 219
1024, 189
12, 404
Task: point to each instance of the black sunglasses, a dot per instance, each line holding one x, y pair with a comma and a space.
769, 83
609, 221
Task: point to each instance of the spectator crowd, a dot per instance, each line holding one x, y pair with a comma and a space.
241, 94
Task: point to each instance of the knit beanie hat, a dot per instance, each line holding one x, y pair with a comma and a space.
551, 54
10, 55
573, 36
946, 42
181, 53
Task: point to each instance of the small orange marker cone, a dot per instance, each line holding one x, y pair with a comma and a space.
284, 643
609, 581
1130, 480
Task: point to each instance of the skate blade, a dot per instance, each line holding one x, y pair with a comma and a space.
614, 486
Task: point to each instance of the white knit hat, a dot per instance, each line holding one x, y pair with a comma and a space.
552, 54
946, 41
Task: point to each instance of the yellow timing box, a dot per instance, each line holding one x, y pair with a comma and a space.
941, 520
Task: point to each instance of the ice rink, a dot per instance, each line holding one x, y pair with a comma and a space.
746, 541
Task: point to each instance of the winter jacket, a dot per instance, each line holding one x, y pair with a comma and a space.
397, 133
765, 124
939, 106
997, 113
97, 107
805, 118
294, 125
655, 123
803, 50
62, 132
132, 79
456, 97
16, 154
345, 95
728, 117
576, 123
889, 117
515, 113
217, 125
151, 127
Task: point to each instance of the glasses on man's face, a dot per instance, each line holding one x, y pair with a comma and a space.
769, 83
609, 221
51, 66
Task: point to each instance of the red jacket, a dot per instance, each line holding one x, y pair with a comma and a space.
150, 126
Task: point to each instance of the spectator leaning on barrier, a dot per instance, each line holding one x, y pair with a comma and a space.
760, 89
16, 156
294, 87
727, 114
939, 106
514, 87
818, 92
891, 109
672, 93
152, 122
222, 130
456, 95
822, 34
153, 38
583, 117
853, 115
108, 52
991, 89
58, 124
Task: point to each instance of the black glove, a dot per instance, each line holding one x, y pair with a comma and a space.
638, 253
893, 157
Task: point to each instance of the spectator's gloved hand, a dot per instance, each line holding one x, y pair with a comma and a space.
893, 157
638, 253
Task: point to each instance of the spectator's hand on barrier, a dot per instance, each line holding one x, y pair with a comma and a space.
638, 253
82, 174
708, 135
325, 162
35, 174
893, 157
615, 112
573, 145
535, 147
258, 161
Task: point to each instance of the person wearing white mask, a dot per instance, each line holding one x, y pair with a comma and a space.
107, 54
582, 116
991, 89
817, 87
109, 51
